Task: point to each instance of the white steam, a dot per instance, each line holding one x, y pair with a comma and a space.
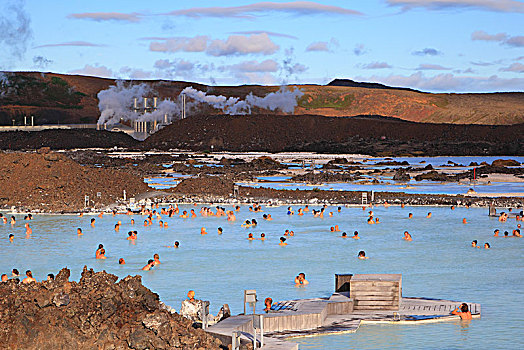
284, 100
117, 102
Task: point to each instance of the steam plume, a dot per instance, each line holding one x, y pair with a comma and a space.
15, 29
117, 101
284, 100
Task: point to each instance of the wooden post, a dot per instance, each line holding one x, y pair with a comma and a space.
342, 282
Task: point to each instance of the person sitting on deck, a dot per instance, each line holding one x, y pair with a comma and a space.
462, 311
191, 307
268, 302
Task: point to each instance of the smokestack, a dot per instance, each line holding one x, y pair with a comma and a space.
32, 121
154, 102
183, 106
154, 125
136, 104
25, 120
165, 119
145, 103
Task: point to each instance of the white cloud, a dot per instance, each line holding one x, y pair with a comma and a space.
195, 44
375, 65
254, 66
450, 83
517, 41
489, 5
515, 67
71, 43
135, 73
323, 45
359, 50
95, 70
427, 66
242, 45
232, 46
265, 8
318, 46
281, 35
502, 38
482, 35
428, 51
107, 16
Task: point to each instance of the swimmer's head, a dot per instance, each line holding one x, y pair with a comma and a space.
156, 256
79, 230
102, 251
4, 278
50, 277
464, 307
250, 235
355, 233
121, 261
361, 254
93, 220
191, 294
282, 239
100, 246
29, 274
176, 244
344, 234
486, 245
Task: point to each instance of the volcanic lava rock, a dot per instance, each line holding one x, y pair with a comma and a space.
432, 176
205, 185
401, 175
96, 312
505, 162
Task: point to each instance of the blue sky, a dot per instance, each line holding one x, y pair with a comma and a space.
440, 46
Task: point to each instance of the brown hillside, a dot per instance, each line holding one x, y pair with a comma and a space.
54, 98
367, 135
53, 182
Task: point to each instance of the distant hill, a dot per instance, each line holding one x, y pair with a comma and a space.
352, 83
58, 98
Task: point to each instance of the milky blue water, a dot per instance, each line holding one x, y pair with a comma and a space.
439, 263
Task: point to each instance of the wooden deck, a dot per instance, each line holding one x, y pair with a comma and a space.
338, 314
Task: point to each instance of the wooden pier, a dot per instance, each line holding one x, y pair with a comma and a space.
371, 299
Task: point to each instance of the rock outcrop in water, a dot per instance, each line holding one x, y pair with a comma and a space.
95, 313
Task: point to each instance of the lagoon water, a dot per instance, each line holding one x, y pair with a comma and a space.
439, 263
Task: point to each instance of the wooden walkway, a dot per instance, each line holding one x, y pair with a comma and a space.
334, 315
